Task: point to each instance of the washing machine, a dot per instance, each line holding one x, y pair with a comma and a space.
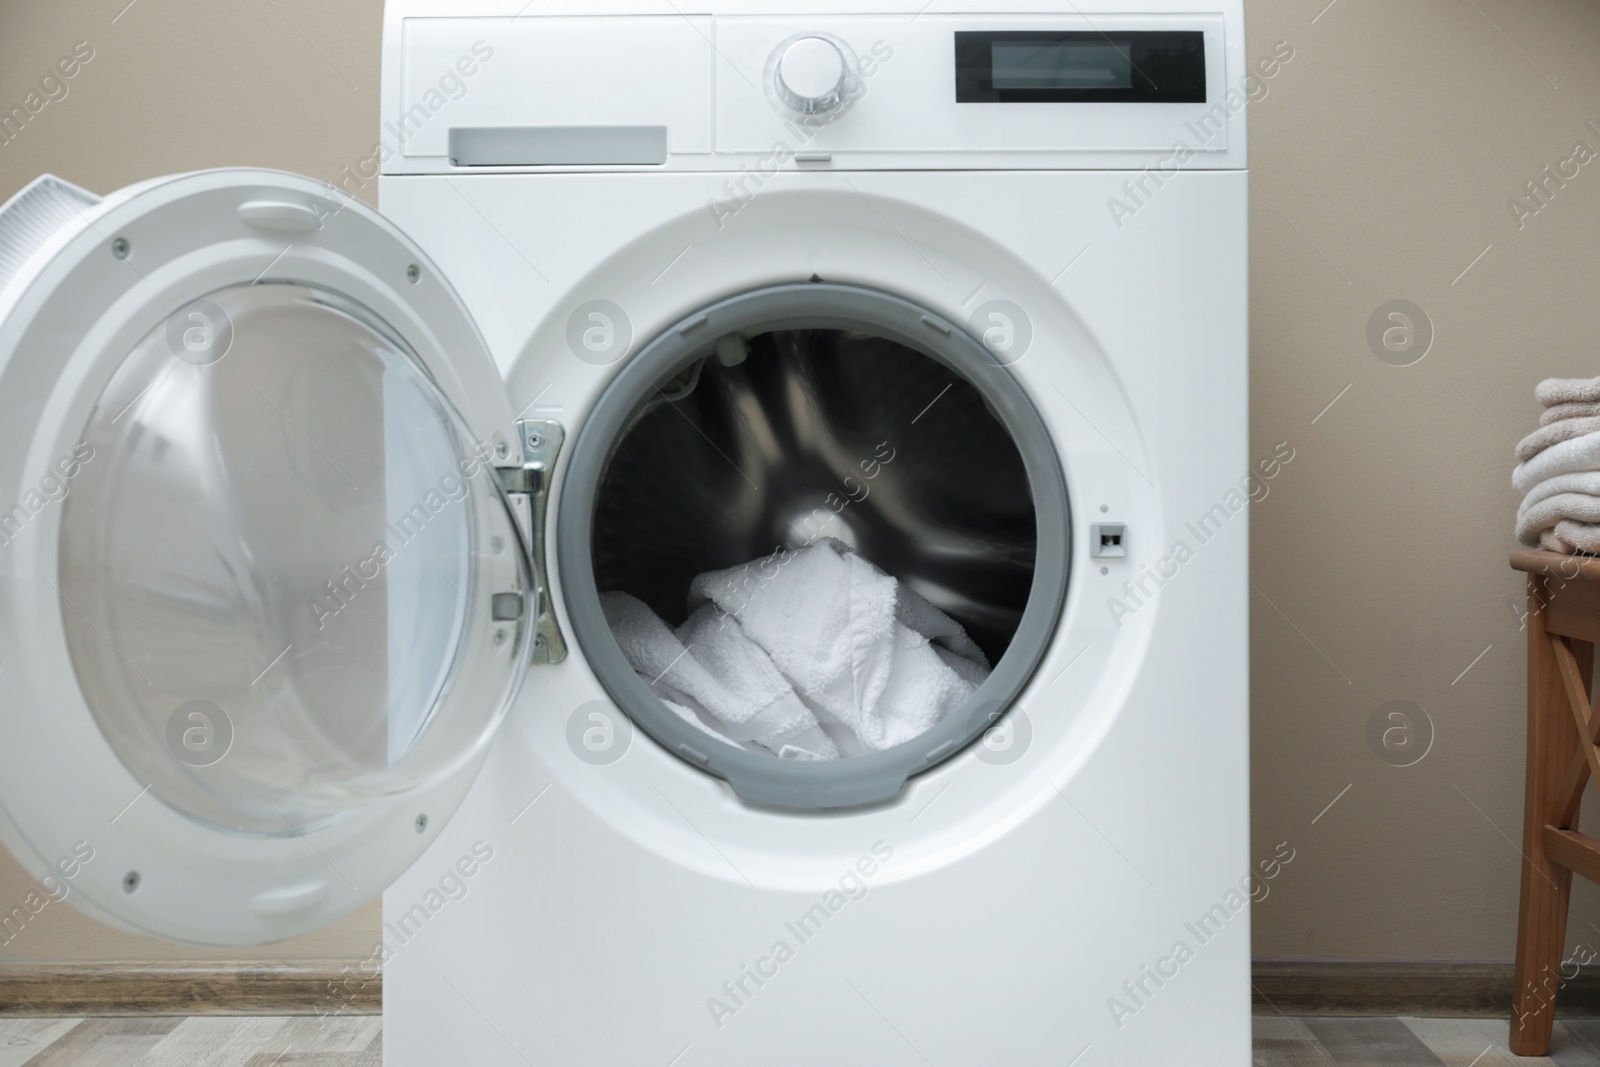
309, 514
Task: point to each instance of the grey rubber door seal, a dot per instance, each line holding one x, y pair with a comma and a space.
799, 784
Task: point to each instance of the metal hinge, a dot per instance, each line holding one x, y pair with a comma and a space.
541, 441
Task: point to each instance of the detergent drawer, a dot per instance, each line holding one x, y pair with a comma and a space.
535, 90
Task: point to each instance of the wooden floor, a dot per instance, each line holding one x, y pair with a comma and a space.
168, 1041
1326, 1041
173, 1041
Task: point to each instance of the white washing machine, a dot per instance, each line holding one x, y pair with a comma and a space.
306, 513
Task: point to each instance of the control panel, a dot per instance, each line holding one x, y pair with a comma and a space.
718, 91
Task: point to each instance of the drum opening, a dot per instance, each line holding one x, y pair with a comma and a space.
821, 526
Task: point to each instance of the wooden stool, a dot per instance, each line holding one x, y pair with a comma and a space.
1563, 624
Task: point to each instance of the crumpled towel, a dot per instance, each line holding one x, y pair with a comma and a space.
1553, 391
1578, 454
712, 676
818, 630
1568, 411
1553, 434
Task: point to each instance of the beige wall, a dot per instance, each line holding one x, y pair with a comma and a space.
1383, 158
172, 87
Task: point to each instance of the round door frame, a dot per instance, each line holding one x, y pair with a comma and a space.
766, 780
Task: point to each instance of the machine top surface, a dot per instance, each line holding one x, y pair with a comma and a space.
736, 86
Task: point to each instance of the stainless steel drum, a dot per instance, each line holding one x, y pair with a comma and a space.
821, 433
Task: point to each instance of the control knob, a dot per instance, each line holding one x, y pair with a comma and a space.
811, 76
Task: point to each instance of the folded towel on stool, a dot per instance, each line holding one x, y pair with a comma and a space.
1585, 482
1578, 454
1568, 411
1569, 536
808, 654
1553, 434
1553, 391
1541, 515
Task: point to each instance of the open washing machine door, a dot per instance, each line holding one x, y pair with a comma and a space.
265, 589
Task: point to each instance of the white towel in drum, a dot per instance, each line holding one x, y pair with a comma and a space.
714, 677
877, 662
808, 654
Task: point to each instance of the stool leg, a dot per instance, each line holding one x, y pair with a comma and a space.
1546, 885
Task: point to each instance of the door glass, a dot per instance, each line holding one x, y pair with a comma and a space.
278, 561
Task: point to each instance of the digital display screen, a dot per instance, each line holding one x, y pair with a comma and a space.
1050, 65
1080, 66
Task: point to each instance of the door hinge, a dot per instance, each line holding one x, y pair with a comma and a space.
541, 442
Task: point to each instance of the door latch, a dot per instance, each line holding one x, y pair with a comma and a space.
541, 441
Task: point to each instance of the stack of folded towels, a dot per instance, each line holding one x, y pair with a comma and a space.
812, 654
1559, 469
